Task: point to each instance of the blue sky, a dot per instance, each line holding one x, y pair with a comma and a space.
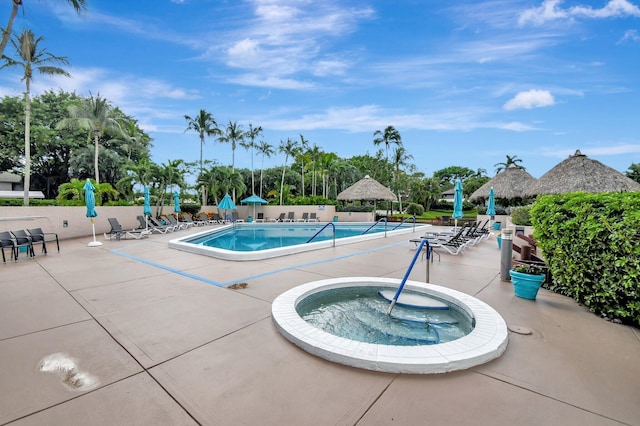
465, 82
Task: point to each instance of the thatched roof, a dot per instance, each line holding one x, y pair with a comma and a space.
511, 183
581, 174
366, 189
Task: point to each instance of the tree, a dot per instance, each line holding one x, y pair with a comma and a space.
390, 136
252, 134
511, 162
78, 5
30, 57
400, 158
449, 175
634, 172
288, 148
71, 193
168, 174
303, 156
205, 125
267, 151
233, 134
94, 115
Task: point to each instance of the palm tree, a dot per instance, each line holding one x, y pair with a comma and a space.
288, 148
78, 5
252, 134
303, 155
71, 193
168, 174
267, 151
205, 125
233, 134
30, 57
390, 136
400, 158
96, 116
511, 162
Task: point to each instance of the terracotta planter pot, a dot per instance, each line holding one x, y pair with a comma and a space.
526, 286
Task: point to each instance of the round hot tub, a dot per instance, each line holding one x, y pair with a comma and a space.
456, 332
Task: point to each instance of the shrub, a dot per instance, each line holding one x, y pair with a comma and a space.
415, 209
521, 216
590, 243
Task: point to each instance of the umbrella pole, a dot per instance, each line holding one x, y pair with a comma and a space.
94, 243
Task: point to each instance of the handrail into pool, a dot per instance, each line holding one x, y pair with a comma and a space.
404, 220
378, 221
322, 229
406, 275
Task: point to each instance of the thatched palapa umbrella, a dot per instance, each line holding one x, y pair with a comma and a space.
512, 183
367, 189
581, 174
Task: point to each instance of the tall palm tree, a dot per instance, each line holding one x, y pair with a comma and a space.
316, 156
400, 158
512, 161
95, 115
288, 148
204, 125
267, 151
30, 57
78, 5
390, 136
303, 156
168, 174
233, 134
252, 134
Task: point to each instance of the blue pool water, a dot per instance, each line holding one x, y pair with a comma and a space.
256, 241
254, 237
359, 313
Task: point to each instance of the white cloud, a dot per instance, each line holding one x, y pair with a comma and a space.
550, 10
630, 35
530, 99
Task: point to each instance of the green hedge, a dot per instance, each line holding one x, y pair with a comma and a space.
591, 243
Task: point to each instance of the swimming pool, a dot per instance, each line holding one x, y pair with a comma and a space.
254, 241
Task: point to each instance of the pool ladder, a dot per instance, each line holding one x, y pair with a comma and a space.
322, 229
406, 275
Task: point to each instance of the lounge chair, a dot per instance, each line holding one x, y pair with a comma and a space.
185, 219
204, 219
117, 231
281, 218
189, 220
38, 233
153, 226
260, 217
304, 218
161, 228
313, 218
177, 225
235, 217
452, 244
290, 217
217, 218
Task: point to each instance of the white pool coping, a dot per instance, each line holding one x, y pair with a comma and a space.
487, 341
181, 244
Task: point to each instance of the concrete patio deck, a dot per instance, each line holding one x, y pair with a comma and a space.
170, 345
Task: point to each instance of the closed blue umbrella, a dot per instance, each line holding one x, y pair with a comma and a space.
457, 202
147, 206
226, 204
176, 203
90, 202
491, 205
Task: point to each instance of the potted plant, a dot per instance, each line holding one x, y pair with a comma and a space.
527, 279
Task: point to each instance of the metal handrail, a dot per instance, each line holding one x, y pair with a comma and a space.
378, 221
405, 220
322, 229
406, 275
